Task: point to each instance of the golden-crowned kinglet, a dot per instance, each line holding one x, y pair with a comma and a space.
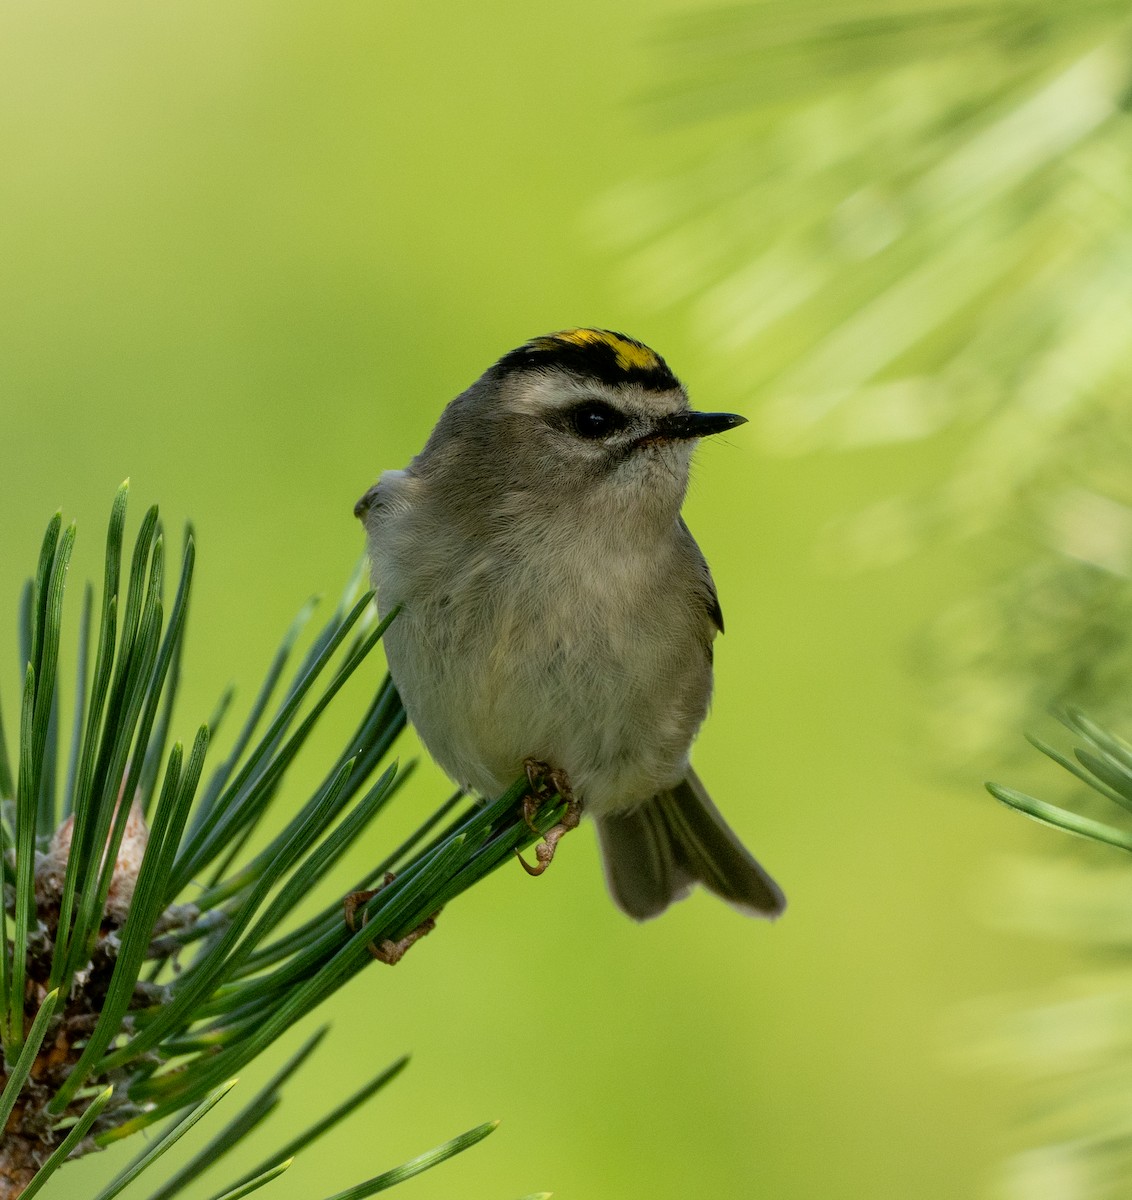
555, 610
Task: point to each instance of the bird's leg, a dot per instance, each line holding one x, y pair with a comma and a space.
387, 951
545, 781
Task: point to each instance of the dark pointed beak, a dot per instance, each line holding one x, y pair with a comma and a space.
362, 506
682, 426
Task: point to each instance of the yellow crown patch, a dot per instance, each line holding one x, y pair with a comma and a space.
630, 355
601, 354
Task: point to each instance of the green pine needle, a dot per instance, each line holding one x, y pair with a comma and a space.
1104, 764
1061, 818
333, 1118
415, 1166
254, 1113
21, 1069
253, 1185
140, 943
73, 1139
165, 1142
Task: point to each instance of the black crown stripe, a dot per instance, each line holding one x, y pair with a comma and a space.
603, 354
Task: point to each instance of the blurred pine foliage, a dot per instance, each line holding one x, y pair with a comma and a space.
898, 221
1072, 1053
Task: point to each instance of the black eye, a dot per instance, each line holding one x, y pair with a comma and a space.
595, 419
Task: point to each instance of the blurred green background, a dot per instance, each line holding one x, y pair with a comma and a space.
249, 251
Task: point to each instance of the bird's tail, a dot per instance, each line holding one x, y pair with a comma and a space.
655, 852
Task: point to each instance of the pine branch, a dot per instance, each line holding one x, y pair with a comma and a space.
141, 967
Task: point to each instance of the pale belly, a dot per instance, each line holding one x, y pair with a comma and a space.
613, 703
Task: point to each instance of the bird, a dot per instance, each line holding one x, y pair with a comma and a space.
556, 616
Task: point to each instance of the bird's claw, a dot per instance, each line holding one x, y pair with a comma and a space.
546, 781
387, 950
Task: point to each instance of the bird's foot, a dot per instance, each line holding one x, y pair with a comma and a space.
387, 950
546, 781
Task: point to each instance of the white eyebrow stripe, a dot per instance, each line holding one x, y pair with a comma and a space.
553, 389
